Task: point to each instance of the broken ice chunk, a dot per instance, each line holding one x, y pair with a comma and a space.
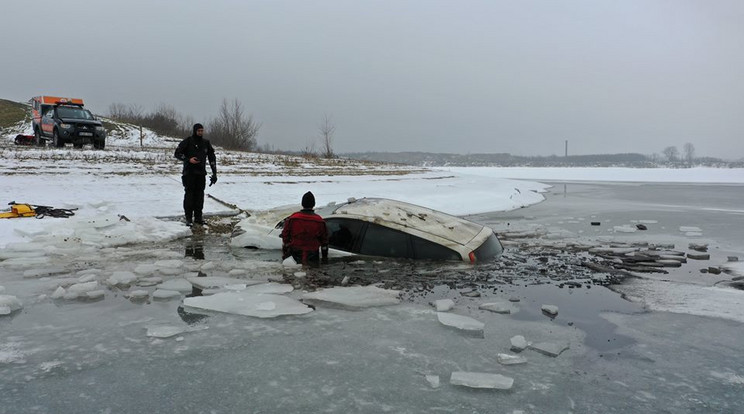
211, 282
121, 279
290, 262
625, 228
271, 287
165, 331
518, 343
95, 294
145, 269
149, 281
498, 307
463, 323
688, 229
433, 380
248, 304
551, 310
180, 284
59, 293
164, 294
138, 295
444, 305
353, 297
481, 380
506, 359
10, 302
552, 349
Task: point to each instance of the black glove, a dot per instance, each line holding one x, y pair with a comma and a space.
324, 255
212, 179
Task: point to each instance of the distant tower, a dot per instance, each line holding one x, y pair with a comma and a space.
566, 148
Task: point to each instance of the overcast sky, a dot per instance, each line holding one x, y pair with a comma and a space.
514, 76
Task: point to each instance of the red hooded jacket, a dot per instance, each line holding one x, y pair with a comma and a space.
304, 231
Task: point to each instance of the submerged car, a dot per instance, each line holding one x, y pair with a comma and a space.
381, 227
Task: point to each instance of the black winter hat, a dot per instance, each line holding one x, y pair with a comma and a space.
197, 126
308, 200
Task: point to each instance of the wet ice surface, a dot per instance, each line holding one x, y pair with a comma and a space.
95, 355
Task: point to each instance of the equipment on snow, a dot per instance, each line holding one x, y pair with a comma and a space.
29, 210
21, 139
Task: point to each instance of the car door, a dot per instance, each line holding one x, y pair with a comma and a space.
47, 121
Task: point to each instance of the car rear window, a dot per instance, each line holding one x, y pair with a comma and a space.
424, 249
491, 248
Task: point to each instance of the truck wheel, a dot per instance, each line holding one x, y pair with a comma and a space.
57, 140
101, 144
37, 138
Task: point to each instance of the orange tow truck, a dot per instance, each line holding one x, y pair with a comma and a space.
65, 120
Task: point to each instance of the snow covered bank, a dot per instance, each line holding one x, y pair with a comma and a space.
105, 193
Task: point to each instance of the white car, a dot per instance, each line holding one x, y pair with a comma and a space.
381, 227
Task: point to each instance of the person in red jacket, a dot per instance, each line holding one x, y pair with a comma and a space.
304, 233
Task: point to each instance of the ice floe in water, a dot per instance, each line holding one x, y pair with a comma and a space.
124, 278
273, 288
507, 359
551, 310
463, 323
353, 297
165, 331
179, 284
498, 307
433, 380
214, 282
518, 343
248, 304
444, 305
8, 304
625, 228
481, 380
552, 349
164, 294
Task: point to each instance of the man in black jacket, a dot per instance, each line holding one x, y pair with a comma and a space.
195, 151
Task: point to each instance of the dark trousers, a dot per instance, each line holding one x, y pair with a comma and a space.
193, 198
305, 257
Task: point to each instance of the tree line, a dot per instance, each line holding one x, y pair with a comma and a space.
232, 128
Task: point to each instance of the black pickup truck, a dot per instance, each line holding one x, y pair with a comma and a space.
67, 123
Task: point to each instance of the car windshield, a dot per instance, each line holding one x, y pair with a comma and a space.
74, 113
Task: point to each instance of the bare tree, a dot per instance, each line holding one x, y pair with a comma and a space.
117, 111
232, 129
672, 153
689, 150
327, 129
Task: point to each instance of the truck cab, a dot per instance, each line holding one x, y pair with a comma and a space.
65, 120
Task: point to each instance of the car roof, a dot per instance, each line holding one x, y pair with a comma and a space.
400, 215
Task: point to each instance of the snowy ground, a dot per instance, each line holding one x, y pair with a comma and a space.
97, 311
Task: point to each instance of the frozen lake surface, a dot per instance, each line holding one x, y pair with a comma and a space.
125, 352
